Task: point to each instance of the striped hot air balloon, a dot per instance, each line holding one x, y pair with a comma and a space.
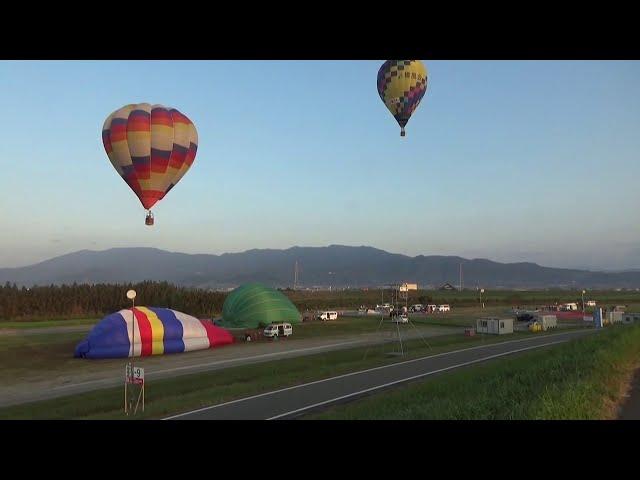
401, 86
151, 147
156, 331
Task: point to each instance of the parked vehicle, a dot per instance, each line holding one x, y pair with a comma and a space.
544, 323
416, 308
278, 330
400, 319
444, 308
525, 317
569, 307
324, 316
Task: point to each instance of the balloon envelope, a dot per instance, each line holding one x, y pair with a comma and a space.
401, 86
151, 147
254, 305
157, 331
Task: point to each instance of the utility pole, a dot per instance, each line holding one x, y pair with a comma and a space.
295, 275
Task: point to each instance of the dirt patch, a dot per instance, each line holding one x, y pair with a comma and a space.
629, 406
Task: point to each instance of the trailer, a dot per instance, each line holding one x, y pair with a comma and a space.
547, 322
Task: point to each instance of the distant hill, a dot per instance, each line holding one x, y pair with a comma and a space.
335, 265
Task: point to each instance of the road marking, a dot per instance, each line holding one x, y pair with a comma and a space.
365, 371
378, 387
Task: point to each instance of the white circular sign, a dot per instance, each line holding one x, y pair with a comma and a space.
131, 294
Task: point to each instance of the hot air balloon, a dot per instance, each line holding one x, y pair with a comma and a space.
151, 147
156, 331
401, 85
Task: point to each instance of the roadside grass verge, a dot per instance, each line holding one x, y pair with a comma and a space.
188, 392
582, 379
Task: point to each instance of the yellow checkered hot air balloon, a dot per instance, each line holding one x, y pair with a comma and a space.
151, 147
401, 85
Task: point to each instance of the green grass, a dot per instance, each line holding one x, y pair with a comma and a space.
28, 357
355, 297
165, 397
579, 380
39, 356
345, 325
72, 322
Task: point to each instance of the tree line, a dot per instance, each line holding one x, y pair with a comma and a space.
97, 300
85, 300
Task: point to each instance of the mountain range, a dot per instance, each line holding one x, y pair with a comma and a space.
335, 266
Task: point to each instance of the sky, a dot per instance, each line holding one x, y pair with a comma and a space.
507, 160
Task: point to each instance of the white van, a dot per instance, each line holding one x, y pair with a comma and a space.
278, 329
444, 308
400, 319
324, 316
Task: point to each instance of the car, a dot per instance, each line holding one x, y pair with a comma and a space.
278, 329
525, 317
400, 319
324, 316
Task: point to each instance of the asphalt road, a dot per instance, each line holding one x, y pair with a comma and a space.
295, 401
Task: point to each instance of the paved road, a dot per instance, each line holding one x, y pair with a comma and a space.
97, 374
294, 401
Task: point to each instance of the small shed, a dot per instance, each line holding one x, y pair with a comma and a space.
494, 326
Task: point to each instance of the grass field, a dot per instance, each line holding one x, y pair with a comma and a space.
39, 356
165, 397
72, 322
43, 355
465, 298
577, 380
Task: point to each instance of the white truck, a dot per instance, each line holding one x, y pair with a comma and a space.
324, 316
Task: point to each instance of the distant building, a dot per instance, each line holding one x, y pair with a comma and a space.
447, 286
591, 303
406, 287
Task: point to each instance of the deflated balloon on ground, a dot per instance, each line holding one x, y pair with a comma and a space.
156, 331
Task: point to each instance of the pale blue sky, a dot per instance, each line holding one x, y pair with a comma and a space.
512, 161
